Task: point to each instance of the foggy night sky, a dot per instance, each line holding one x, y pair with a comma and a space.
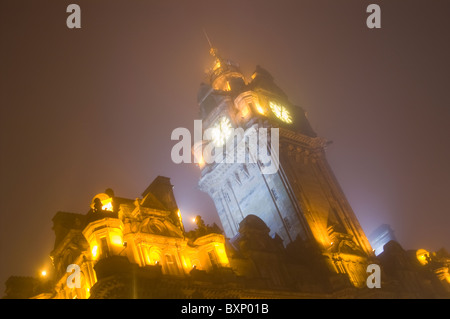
84, 110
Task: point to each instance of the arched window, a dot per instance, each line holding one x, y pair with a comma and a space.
155, 256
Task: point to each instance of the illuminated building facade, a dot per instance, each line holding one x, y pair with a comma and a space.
290, 234
119, 233
302, 202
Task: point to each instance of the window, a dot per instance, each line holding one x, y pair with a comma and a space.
155, 256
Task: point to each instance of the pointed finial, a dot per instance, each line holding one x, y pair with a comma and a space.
212, 50
207, 38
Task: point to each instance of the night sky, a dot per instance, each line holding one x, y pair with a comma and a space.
87, 109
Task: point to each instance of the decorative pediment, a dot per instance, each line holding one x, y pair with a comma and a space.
158, 226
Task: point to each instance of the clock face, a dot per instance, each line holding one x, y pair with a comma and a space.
221, 131
281, 112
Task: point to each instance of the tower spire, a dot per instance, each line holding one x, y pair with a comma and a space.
212, 49
207, 38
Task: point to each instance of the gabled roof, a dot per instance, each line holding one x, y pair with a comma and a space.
159, 195
150, 201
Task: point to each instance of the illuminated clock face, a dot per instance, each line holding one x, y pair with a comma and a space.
221, 131
281, 112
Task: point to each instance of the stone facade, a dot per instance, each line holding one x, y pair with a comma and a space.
302, 200
288, 234
139, 249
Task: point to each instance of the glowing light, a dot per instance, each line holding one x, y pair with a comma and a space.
116, 240
147, 257
221, 131
179, 216
198, 154
217, 65
107, 205
155, 256
105, 201
259, 109
94, 251
184, 262
43, 273
244, 111
201, 161
220, 250
422, 256
281, 112
194, 220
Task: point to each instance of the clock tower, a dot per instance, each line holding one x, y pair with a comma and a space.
300, 201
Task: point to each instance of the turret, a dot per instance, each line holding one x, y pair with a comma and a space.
104, 229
